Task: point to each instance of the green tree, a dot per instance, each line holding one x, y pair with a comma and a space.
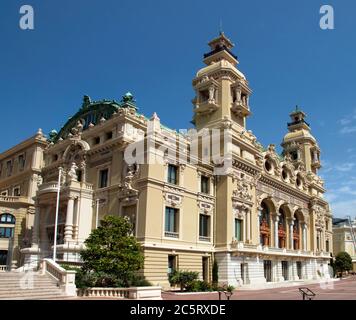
343, 262
113, 250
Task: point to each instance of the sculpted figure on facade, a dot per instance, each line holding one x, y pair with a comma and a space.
72, 173
243, 188
132, 171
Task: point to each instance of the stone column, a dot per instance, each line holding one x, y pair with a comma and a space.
291, 244
36, 227
304, 236
68, 230
276, 219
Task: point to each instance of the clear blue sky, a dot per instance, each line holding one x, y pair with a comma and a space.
153, 49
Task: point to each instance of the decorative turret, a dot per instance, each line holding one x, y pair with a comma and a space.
222, 91
300, 144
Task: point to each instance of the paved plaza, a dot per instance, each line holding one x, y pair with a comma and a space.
344, 289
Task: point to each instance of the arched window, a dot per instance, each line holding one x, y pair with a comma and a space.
282, 229
9, 220
264, 225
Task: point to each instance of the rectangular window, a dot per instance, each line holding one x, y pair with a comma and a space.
327, 245
16, 192
204, 227
238, 229
21, 162
6, 232
9, 168
204, 184
171, 223
103, 178
172, 176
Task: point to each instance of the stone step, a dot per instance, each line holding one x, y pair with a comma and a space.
19, 289
44, 286
37, 296
38, 280
31, 292
47, 297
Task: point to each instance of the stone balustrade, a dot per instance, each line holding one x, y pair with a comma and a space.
48, 187
4, 268
65, 278
13, 199
145, 293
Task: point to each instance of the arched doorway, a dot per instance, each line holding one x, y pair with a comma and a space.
265, 225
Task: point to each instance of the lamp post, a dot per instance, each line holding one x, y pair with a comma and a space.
56, 218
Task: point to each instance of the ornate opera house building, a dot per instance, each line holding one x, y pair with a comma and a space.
265, 220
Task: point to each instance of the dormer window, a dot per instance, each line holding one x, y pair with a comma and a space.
96, 140
108, 135
268, 165
299, 182
284, 175
294, 155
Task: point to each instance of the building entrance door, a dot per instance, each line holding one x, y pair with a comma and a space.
244, 272
299, 269
285, 270
267, 268
3, 257
205, 265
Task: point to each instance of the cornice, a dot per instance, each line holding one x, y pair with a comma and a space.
270, 181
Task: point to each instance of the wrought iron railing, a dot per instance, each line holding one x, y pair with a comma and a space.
171, 234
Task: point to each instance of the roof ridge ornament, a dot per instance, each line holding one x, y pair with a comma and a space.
128, 101
86, 101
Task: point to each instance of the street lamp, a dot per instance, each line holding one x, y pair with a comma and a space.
56, 218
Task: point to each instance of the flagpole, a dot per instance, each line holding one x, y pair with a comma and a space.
97, 213
56, 219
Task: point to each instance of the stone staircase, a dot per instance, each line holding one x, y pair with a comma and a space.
28, 285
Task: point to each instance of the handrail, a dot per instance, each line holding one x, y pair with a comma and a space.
306, 293
66, 278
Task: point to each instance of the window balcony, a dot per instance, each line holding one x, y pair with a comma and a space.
170, 234
204, 238
206, 106
13, 199
240, 108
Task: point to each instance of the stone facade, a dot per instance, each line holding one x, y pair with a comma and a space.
263, 220
20, 170
344, 238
